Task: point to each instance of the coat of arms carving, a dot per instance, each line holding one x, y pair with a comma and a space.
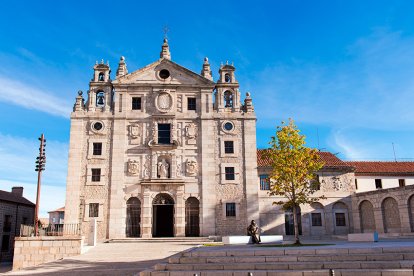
191, 167
133, 167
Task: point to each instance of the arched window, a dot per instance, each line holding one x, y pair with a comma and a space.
228, 99
101, 77
227, 78
100, 99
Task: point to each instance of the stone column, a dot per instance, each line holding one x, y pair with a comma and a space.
405, 218
147, 214
379, 222
180, 212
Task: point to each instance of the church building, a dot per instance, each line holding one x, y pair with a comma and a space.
162, 152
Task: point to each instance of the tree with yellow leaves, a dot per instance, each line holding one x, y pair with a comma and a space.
293, 170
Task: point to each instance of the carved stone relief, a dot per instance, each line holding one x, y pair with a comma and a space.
191, 167
191, 132
147, 167
135, 132
133, 167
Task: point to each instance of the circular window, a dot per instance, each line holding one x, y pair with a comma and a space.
228, 126
164, 74
97, 126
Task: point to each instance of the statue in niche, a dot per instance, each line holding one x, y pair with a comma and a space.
191, 167
135, 131
133, 167
191, 131
163, 168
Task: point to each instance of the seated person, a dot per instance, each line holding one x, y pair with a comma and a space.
253, 231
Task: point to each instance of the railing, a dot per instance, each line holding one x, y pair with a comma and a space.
51, 230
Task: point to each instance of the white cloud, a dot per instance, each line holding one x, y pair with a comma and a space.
371, 87
51, 197
18, 155
18, 93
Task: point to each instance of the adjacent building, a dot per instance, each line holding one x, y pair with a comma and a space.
14, 211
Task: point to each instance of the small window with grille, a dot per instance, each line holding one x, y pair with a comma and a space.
264, 182
97, 148
230, 209
136, 103
228, 147
340, 219
96, 175
229, 171
316, 219
191, 103
93, 210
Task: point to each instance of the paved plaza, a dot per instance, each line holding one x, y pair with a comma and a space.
133, 257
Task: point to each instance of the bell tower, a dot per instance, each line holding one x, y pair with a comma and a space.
227, 96
100, 88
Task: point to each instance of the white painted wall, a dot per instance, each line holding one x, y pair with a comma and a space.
367, 183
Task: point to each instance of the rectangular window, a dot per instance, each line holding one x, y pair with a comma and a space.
340, 219
24, 221
191, 103
136, 103
356, 184
7, 223
229, 171
401, 182
5, 243
378, 183
264, 182
316, 219
316, 185
230, 209
164, 133
93, 210
97, 148
96, 175
228, 147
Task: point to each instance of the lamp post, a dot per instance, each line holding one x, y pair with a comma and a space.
40, 166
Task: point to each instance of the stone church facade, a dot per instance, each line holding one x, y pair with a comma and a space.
162, 151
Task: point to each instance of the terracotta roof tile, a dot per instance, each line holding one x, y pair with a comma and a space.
10, 197
382, 168
329, 159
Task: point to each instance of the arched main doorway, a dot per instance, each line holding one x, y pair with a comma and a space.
133, 221
289, 224
192, 217
163, 216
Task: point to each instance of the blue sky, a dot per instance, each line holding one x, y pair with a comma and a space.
343, 70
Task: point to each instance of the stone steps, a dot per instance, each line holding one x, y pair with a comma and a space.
288, 265
295, 258
369, 261
322, 272
199, 240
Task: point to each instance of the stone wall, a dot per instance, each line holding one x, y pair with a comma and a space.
388, 211
32, 251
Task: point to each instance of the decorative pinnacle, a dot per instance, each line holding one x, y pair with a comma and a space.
80, 92
206, 60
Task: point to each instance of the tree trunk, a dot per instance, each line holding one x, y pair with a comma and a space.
296, 224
